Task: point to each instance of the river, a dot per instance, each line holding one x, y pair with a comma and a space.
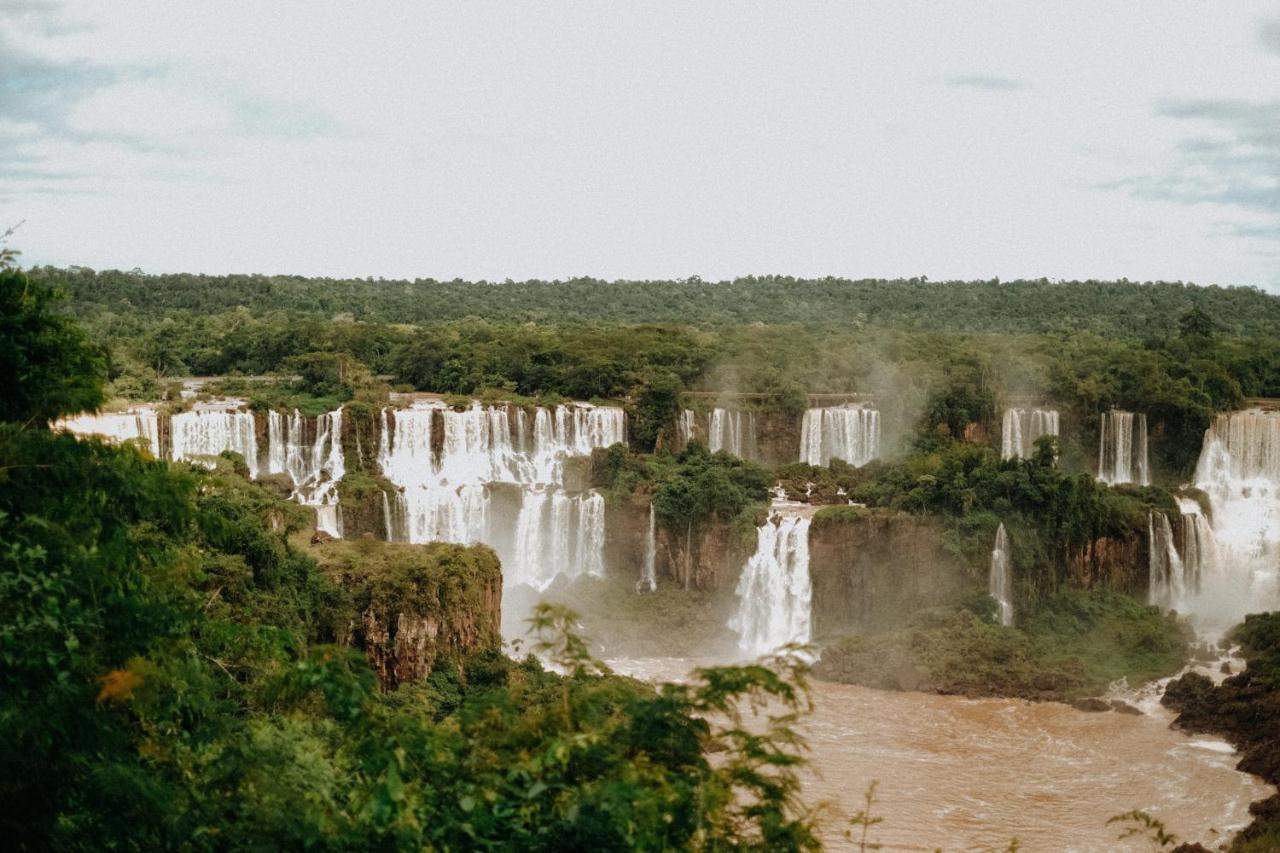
971, 774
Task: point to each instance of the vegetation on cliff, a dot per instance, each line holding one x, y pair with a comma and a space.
1074, 645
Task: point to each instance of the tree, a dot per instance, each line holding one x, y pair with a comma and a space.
48, 366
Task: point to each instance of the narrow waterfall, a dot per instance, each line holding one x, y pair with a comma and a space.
447, 494
135, 425
733, 431
1239, 469
1021, 428
1166, 575
851, 433
1000, 582
649, 570
315, 466
1197, 545
686, 429
774, 592
208, 433
1122, 449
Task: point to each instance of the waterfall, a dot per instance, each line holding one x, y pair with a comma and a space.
446, 494
1166, 574
1122, 449
209, 433
851, 433
774, 591
733, 431
135, 425
686, 428
1199, 547
558, 534
1000, 582
649, 569
314, 467
1021, 428
1239, 469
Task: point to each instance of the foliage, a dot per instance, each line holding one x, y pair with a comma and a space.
48, 367
707, 486
1075, 644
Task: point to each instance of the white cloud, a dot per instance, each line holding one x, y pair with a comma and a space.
511, 140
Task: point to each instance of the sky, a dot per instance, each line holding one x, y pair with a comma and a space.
646, 140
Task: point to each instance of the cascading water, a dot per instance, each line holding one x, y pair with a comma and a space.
1167, 580
851, 433
1122, 449
209, 433
1239, 469
314, 467
448, 495
649, 569
733, 431
119, 427
774, 591
1021, 428
1000, 582
686, 428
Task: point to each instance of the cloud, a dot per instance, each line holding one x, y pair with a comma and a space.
1269, 35
985, 82
1233, 159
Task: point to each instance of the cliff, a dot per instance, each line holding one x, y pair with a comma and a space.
411, 605
872, 571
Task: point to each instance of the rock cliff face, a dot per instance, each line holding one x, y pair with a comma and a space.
706, 557
1119, 564
411, 606
872, 572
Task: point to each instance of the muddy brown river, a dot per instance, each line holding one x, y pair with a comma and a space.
963, 774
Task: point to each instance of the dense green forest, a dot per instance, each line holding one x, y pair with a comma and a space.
1119, 308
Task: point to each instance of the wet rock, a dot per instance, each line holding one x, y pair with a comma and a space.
321, 538
1226, 667
1125, 708
1092, 704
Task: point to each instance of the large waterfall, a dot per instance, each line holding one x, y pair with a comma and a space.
851, 433
208, 433
1000, 581
1122, 449
774, 591
1166, 574
686, 429
446, 463
1239, 470
734, 431
1021, 428
310, 452
135, 425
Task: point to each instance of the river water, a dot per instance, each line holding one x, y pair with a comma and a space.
966, 774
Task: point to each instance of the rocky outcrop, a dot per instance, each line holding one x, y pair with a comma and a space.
412, 606
1110, 563
361, 498
871, 571
707, 556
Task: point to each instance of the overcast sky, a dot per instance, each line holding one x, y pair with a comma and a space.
522, 139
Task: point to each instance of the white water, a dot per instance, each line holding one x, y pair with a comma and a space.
1239, 469
447, 495
118, 427
686, 428
314, 467
208, 433
733, 431
1167, 583
1021, 428
774, 591
851, 433
649, 569
1000, 581
1122, 449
